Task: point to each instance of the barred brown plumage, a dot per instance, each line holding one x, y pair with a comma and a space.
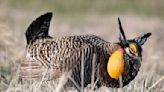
67, 54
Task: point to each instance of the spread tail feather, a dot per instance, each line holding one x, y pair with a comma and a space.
39, 28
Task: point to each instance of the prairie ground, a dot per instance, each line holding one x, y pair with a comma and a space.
14, 22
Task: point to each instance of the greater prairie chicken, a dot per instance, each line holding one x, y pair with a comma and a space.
112, 60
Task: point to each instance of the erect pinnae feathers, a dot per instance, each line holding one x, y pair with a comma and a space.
121, 30
142, 39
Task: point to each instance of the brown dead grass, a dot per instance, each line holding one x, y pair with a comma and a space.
150, 77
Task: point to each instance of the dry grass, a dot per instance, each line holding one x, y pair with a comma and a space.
12, 48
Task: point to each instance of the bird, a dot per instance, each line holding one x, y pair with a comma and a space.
112, 61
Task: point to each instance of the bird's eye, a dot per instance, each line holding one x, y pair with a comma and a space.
132, 51
133, 48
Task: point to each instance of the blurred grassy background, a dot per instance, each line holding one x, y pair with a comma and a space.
147, 7
75, 17
87, 7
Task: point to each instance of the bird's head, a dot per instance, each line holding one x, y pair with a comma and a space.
132, 48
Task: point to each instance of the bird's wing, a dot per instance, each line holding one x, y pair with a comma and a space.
56, 56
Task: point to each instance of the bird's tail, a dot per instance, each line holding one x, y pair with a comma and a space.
39, 28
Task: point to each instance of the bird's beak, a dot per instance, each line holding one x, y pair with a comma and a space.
140, 59
136, 54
